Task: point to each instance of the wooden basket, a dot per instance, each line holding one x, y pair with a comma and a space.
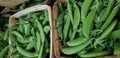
56, 41
12, 21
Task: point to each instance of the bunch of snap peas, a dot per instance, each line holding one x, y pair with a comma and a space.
89, 28
31, 36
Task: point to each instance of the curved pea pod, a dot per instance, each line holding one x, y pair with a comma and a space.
40, 29
117, 48
17, 34
115, 34
3, 52
106, 32
95, 54
107, 11
23, 41
69, 7
66, 28
38, 42
19, 37
77, 41
46, 29
77, 17
111, 17
87, 23
85, 7
75, 49
25, 52
27, 29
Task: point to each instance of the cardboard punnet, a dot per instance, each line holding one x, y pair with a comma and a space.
12, 20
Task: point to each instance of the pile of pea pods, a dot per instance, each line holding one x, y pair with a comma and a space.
89, 28
31, 36
17, 31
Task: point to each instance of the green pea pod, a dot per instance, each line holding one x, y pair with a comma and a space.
6, 35
77, 41
41, 51
4, 52
22, 40
46, 29
75, 49
77, 17
38, 42
40, 29
115, 34
110, 18
95, 54
19, 37
117, 48
59, 24
108, 10
87, 23
60, 19
17, 34
85, 7
66, 28
27, 29
25, 52
69, 7
106, 32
